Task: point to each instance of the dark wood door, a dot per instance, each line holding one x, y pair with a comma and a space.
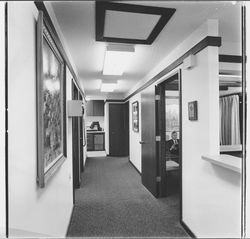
149, 163
75, 143
116, 130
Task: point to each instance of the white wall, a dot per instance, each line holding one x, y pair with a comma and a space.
90, 119
32, 211
2, 122
135, 137
211, 194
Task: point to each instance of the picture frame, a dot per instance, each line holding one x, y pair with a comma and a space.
192, 110
135, 116
51, 104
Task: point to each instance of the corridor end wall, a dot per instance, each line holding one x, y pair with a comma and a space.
33, 211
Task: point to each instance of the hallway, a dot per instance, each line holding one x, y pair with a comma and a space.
112, 202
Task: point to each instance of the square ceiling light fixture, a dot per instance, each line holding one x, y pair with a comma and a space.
108, 86
130, 23
117, 58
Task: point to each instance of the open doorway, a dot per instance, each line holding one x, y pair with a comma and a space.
169, 125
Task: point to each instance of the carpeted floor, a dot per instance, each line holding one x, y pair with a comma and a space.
113, 203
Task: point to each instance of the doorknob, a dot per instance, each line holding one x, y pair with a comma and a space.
142, 142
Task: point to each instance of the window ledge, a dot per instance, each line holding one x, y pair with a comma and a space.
225, 161
230, 148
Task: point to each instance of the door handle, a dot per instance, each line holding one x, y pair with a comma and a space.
142, 142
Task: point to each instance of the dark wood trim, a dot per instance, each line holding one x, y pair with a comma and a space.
114, 101
187, 229
101, 7
230, 58
64, 110
207, 41
41, 7
244, 125
134, 167
180, 141
6, 123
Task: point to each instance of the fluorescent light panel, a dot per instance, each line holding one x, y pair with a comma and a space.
116, 59
108, 87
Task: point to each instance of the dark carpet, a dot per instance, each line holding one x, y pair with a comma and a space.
112, 202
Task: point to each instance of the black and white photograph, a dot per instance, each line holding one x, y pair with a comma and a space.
124, 119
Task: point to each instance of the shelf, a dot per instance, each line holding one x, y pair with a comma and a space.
230, 148
225, 161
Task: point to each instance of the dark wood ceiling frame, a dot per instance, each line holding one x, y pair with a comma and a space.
41, 7
101, 7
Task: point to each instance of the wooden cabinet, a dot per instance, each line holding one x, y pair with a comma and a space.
95, 108
95, 141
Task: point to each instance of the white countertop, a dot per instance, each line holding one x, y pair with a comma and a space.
226, 161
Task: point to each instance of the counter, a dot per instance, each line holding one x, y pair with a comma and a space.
226, 161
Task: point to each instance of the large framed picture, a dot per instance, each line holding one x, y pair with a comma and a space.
135, 116
192, 110
51, 126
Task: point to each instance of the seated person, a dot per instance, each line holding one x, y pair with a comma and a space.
173, 147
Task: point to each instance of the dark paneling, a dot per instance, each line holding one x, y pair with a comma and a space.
98, 108
149, 162
207, 41
116, 130
95, 108
230, 58
101, 6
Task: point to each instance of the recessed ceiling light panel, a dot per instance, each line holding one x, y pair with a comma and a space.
116, 59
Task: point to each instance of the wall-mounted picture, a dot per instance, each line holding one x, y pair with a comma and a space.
192, 110
135, 116
50, 105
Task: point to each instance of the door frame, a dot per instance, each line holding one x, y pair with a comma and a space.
75, 123
160, 125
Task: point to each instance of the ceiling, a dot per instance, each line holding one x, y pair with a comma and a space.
77, 22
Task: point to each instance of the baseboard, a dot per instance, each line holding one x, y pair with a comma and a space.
134, 167
187, 229
69, 220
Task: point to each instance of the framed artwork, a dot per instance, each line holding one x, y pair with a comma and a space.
135, 116
51, 118
192, 110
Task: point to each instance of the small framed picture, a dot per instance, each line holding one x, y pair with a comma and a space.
192, 110
135, 116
